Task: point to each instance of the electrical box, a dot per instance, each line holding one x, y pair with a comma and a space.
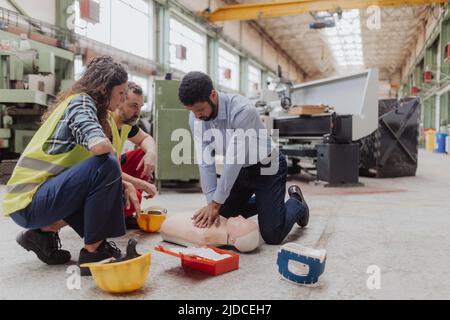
181, 52
428, 76
90, 11
227, 73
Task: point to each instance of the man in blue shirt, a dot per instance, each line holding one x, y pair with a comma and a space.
253, 180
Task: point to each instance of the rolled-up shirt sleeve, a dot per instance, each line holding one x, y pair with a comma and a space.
83, 122
208, 174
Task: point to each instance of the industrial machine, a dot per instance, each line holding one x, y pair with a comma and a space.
328, 139
31, 73
392, 150
171, 133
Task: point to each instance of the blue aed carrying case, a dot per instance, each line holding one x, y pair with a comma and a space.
299, 264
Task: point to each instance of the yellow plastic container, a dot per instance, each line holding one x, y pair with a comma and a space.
430, 140
151, 219
121, 277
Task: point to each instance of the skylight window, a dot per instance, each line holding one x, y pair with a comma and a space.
345, 40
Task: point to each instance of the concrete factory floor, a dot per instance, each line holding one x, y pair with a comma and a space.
400, 225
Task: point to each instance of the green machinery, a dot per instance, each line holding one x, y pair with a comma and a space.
31, 74
172, 135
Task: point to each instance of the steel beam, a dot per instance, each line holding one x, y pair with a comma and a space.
260, 10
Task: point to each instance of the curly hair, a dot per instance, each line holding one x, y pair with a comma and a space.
195, 87
102, 74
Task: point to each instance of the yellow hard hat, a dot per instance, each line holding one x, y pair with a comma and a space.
121, 277
151, 219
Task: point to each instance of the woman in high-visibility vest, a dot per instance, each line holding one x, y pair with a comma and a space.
69, 173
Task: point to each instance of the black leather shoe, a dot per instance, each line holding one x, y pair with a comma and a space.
105, 251
46, 245
296, 193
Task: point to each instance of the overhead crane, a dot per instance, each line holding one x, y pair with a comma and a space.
272, 9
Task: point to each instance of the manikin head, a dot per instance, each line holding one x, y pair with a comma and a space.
243, 234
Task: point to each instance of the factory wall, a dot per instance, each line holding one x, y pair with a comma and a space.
44, 11
248, 38
429, 48
239, 32
417, 48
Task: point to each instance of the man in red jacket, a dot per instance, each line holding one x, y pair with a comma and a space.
137, 165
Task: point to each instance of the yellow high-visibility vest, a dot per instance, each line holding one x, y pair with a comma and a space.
118, 139
35, 166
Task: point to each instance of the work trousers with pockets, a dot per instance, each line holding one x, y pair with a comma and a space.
254, 193
87, 196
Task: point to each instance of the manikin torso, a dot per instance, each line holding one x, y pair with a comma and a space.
238, 231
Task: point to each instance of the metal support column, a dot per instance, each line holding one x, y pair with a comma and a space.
243, 75
213, 59
264, 79
65, 14
65, 20
162, 35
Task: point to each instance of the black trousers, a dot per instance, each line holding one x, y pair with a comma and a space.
254, 193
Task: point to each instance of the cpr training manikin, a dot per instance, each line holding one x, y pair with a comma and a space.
239, 232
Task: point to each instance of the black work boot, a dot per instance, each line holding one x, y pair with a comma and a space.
105, 251
131, 252
296, 193
46, 245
